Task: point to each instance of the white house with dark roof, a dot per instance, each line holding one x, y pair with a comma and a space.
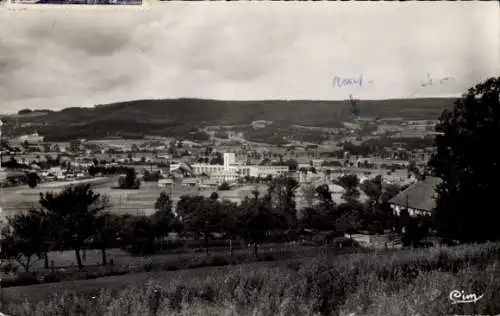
418, 199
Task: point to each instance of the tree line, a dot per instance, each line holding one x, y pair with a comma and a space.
78, 218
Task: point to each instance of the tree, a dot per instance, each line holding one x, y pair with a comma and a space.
315, 219
348, 222
309, 194
107, 229
151, 176
255, 220
224, 186
163, 219
469, 165
325, 197
33, 179
138, 234
229, 222
350, 183
75, 145
217, 160
373, 189
413, 169
390, 191
292, 164
129, 181
214, 196
21, 242
25, 144
74, 212
46, 233
200, 216
281, 199
46, 147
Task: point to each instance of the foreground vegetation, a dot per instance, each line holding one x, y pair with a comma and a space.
407, 282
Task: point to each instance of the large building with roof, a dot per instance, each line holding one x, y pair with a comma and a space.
418, 199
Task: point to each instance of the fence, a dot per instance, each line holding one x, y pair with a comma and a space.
378, 241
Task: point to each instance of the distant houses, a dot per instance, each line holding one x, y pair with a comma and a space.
33, 139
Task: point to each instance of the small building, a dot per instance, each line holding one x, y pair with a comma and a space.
209, 184
418, 199
190, 182
164, 183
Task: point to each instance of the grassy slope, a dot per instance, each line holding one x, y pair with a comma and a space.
410, 282
40, 292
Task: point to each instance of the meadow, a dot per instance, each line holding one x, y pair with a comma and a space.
405, 282
134, 202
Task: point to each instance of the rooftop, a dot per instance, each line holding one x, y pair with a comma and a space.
420, 196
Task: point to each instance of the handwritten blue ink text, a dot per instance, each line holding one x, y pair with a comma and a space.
429, 81
339, 82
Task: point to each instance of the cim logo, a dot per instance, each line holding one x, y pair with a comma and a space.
460, 297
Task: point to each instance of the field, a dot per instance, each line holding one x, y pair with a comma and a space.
406, 282
123, 201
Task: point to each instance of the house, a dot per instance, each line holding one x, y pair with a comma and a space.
165, 183
190, 182
209, 184
418, 199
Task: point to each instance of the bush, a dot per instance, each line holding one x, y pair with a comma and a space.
9, 268
21, 279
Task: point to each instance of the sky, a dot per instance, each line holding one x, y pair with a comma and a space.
56, 58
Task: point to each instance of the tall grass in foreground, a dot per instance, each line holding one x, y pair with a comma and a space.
408, 282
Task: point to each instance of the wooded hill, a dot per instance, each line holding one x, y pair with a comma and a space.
179, 117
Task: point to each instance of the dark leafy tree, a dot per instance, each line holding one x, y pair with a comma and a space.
130, 180
373, 189
200, 216
217, 160
21, 242
163, 220
281, 199
325, 198
292, 164
349, 222
75, 146
469, 165
390, 191
46, 233
33, 179
350, 183
229, 222
315, 219
138, 235
108, 227
308, 193
413, 169
151, 176
256, 220
74, 212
